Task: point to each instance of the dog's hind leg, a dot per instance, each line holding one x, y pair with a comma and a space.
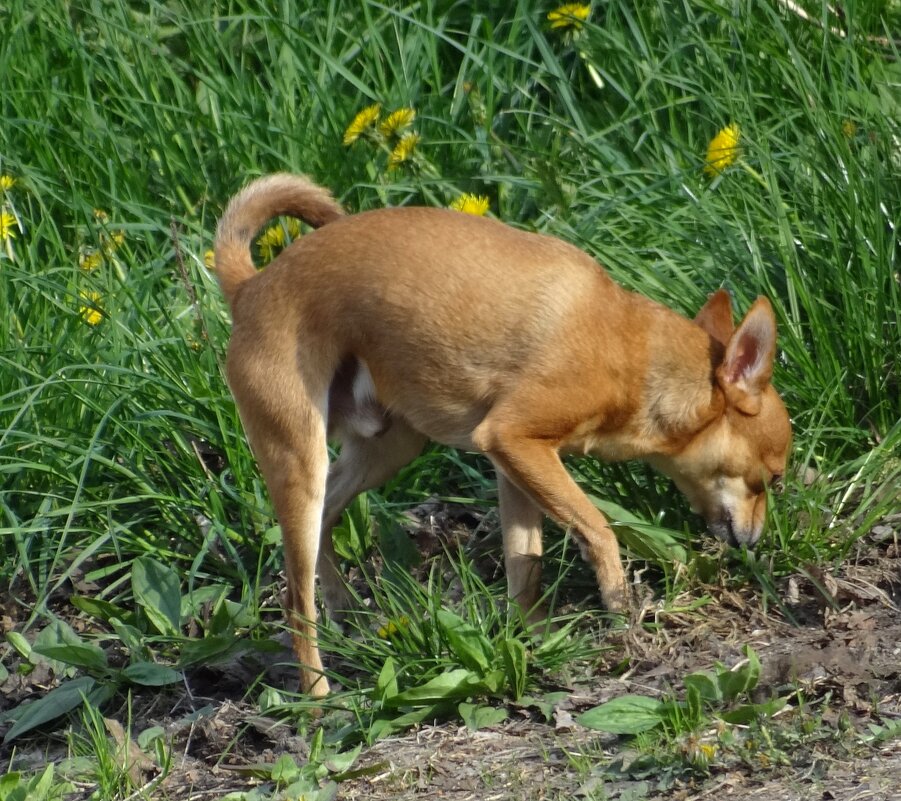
364, 463
286, 427
521, 527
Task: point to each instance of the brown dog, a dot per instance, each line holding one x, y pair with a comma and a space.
392, 327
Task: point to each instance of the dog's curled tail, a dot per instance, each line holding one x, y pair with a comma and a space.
256, 204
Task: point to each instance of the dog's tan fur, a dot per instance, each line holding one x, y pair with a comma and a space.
392, 327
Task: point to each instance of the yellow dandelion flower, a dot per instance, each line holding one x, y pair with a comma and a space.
113, 241
569, 15
209, 259
272, 239
293, 226
101, 216
397, 121
723, 150
364, 120
471, 204
7, 182
707, 751
849, 129
90, 311
90, 260
403, 150
391, 628
8, 226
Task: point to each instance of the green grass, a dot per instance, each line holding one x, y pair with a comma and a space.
120, 439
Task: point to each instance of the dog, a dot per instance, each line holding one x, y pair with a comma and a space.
396, 326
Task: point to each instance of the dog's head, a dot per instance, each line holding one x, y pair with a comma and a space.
727, 467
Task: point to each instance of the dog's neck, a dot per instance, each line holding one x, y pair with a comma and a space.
681, 395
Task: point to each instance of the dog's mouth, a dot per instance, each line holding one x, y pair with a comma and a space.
723, 528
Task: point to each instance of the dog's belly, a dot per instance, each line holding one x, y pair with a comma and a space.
357, 406
446, 411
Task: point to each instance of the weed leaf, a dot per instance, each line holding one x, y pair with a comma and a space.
747, 713
210, 650
384, 726
515, 665
628, 714
19, 643
156, 589
645, 540
734, 683
85, 655
57, 702
96, 607
453, 685
479, 716
59, 642
469, 645
386, 685
706, 686
151, 674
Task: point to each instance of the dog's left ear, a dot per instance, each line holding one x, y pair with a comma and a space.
748, 364
715, 317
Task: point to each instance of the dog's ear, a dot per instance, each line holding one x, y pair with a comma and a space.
748, 363
715, 317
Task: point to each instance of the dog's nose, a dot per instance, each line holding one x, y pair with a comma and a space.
724, 528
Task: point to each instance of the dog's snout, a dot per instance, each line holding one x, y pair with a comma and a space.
724, 527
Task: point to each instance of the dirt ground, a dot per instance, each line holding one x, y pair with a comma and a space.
844, 652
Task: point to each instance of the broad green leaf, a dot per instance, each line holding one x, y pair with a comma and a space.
285, 770
628, 714
40, 786
57, 702
545, 703
58, 632
694, 704
131, 637
352, 537
342, 762
86, 655
146, 737
307, 788
470, 646
646, 540
60, 643
384, 725
95, 607
194, 602
747, 713
734, 683
386, 684
479, 716
156, 589
706, 685
513, 653
150, 674
453, 685
19, 643
12, 788
210, 650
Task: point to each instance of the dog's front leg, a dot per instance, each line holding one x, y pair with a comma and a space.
535, 467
